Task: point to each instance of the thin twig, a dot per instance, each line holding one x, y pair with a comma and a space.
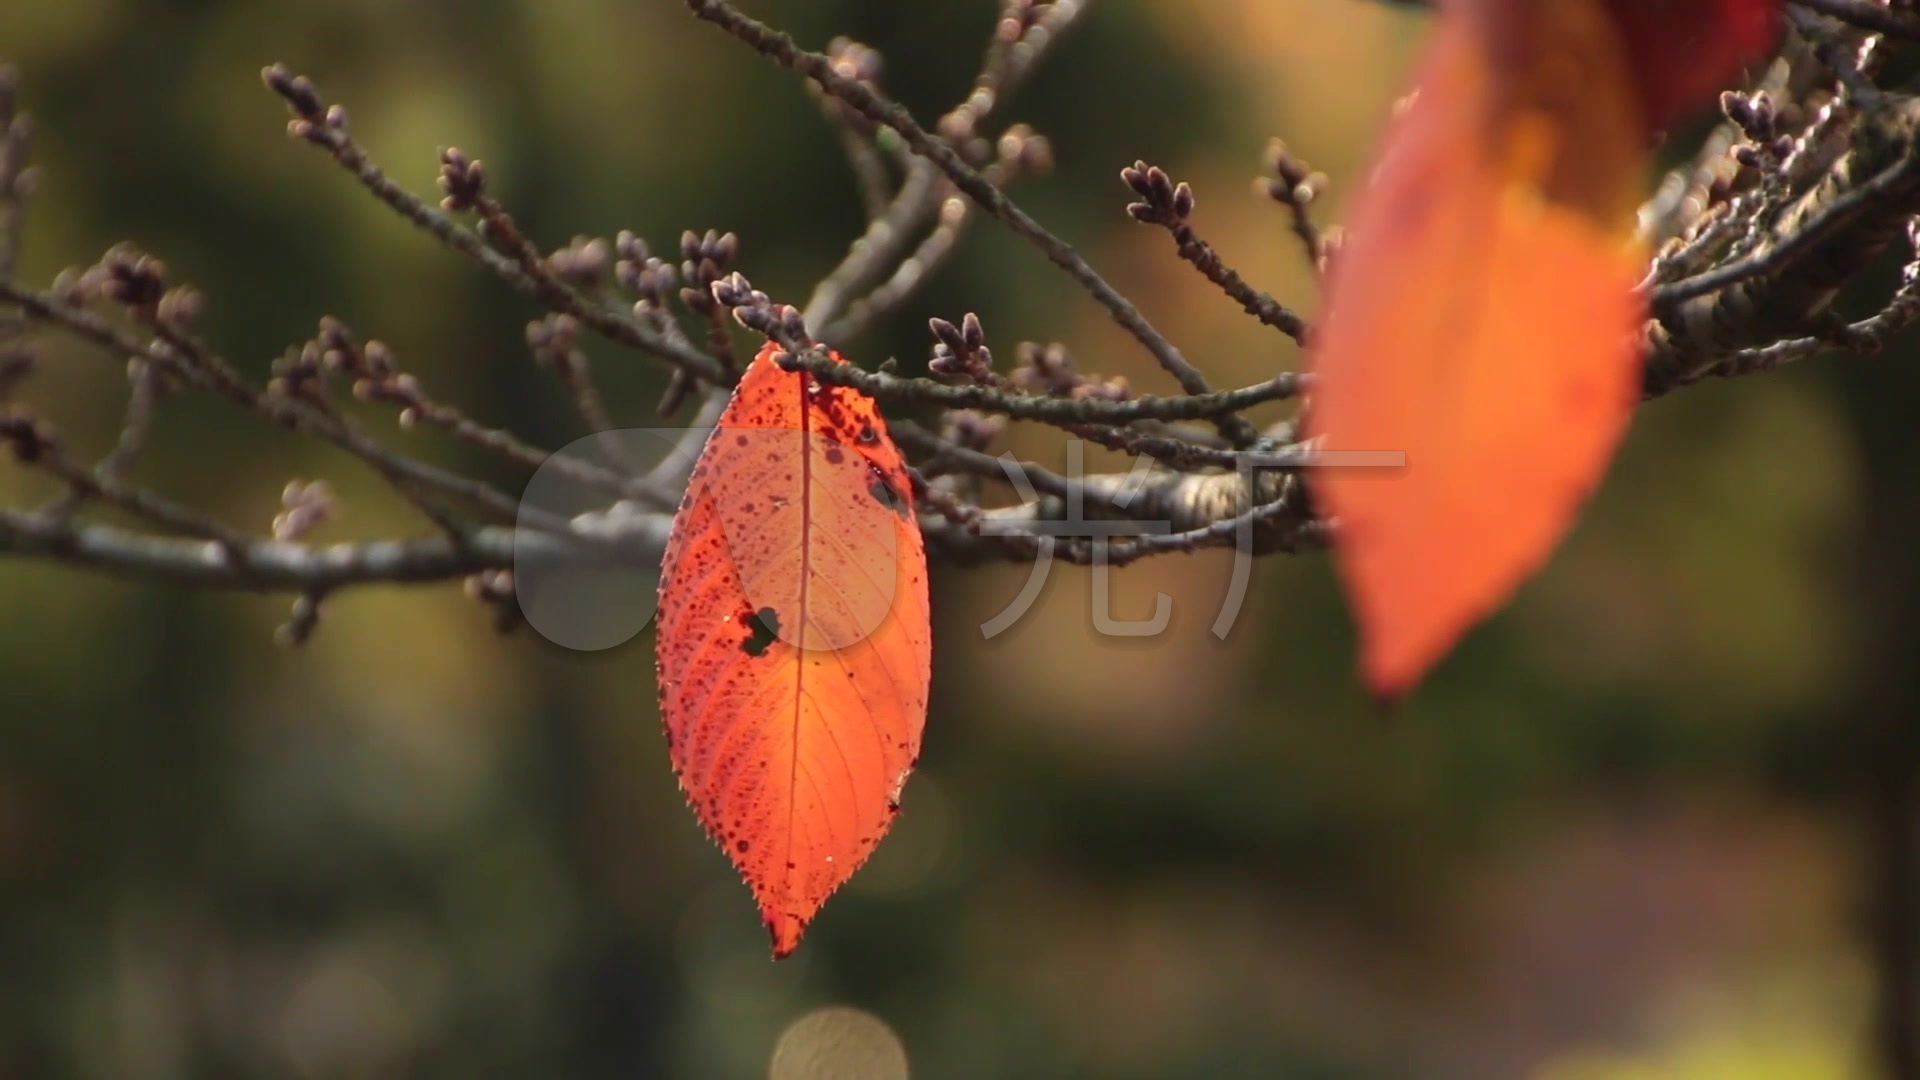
1893, 181
888, 238
1210, 406
135, 426
1169, 205
1210, 535
908, 276
418, 408
34, 445
273, 565
781, 49
539, 285
287, 412
1869, 15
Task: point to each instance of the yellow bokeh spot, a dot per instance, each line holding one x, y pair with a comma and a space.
838, 1043
1742, 1055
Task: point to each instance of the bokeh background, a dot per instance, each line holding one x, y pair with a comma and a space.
1648, 822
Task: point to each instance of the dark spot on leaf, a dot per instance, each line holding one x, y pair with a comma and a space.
740, 440
764, 626
741, 846
868, 435
886, 494
834, 456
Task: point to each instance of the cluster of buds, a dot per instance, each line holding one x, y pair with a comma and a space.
180, 307
1044, 369
555, 342
960, 352
382, 381
339, 350
960, 126
1019, 149
494, 588
132, 277
334, 350
1024, 150
305, 505
854, 60
653, 280
754, 310
583, 263
297, 90
1162, 202
1019, 17
851, 60
375, 372
1110, 388
1048, 370
1289, 180
301, 622
971, 428
1023, 27
297, 373
1758, 118
313, 120
705, 259
1755, 113
129, 276
463, 180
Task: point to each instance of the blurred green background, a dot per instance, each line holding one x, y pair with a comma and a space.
1646, 823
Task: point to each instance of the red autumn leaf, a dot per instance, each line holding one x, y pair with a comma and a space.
1482, 318
1684, 51
794, 643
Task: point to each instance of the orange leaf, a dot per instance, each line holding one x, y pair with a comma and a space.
1482, 320
794, 642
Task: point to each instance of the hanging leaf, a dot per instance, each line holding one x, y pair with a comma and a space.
794, 641
1481, 320
1682, 54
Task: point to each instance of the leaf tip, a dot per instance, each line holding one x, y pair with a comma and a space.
1398, 648
1388, 701
786, 932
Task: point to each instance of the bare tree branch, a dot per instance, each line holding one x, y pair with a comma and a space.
1766, 227
780, 48
1869, 15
